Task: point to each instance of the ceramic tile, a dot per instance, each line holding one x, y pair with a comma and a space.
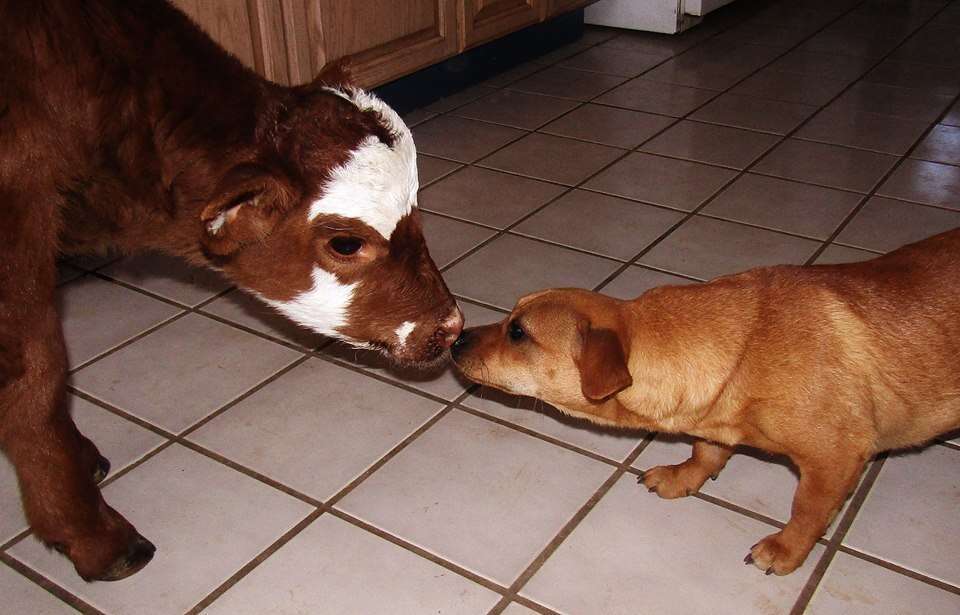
551, 158
510, 267
542, 418
661, 181
705, 248
718, 145
516, 109
835, 255
461, 139
488, 197
824, 65
448, 239
567, 83
908, 517
183, 372
99, 315
827, 165
613, 61
247, 311
783, 205
20, 595
458, 99
206, 520
513, 74
635, 281
485, 496
653, 97
924, 182
431, 169
635, 551
754, 113
331, 567
889, 100
608, 125
953, 116
852, 586
938, 79
791, 87
168, 277
886, 224
942, 144
619, 228
872, 131
283, 430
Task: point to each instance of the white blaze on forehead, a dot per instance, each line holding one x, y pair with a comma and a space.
323, 308
403, 332
378, 184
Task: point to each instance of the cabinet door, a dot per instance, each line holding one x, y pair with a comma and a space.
562, 6
484, 20
228, 23
383, 39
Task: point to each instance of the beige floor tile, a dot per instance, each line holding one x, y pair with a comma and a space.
510, 267
653, 97
487, 497
613, 61
720, 145
567, 83
488, 197
284, 430
461, 139
331, 568
885, 224
783, 205
206, 520
705, 248
636, 553
852, 586
176, 376
791, 87
635, 281
909, 518
899, 102
835, 254
754, 113
542, 418
20, 595
827, 165
168, 277
99, 315
597, 223
551, 158
861, 129
924, 182
662, 181
247, 311
825, 65
448, 239
516, 109
938, 79
608, 125
516, 608
941, 145
431, 169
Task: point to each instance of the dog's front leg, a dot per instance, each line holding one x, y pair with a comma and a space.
687, 478
824, 485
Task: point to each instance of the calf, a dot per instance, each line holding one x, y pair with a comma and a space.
124, 127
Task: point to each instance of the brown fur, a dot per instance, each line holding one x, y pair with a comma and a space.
828, 365
124, 127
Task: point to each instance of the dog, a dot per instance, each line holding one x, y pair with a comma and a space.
826, 364
124, 127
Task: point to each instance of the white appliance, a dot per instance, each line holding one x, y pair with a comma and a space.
669, 16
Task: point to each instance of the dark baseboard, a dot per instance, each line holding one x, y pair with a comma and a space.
454, 74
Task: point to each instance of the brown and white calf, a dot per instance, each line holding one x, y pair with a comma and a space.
124, 127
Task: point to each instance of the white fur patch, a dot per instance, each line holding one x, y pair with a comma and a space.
403, 332
323, 308
378, 184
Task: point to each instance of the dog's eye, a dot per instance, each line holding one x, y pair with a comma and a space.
515, 331
346, 246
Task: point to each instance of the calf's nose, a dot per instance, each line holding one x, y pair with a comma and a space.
451, 327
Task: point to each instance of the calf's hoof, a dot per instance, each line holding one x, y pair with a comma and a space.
138, 554
101, 470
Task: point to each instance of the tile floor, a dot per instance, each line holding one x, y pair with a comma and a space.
281, 474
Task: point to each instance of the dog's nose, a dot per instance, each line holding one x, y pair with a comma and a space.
451, 327
462, 342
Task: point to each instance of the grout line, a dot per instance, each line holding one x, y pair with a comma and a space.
917, 576
569, 527
856, 502
64, 595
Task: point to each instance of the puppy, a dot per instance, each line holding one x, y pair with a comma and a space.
826, 364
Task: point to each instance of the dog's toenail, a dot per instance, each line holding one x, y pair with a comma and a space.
748, 560
714, 476
768, 572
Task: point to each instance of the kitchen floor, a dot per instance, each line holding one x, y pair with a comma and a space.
278, 474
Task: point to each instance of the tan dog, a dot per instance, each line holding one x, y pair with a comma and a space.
828, 365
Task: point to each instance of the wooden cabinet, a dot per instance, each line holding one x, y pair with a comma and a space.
485, 20
290, 41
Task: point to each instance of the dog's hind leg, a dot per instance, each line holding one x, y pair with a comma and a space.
687, 478
55, 465
825, 483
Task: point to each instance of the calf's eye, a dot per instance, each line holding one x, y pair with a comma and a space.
346, 246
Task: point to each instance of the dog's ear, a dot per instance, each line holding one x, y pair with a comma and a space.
602, 363
337, 74
245, 207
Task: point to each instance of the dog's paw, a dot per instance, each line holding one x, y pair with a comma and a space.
672, 481
774, 555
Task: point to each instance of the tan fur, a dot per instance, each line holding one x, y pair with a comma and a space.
828, 365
